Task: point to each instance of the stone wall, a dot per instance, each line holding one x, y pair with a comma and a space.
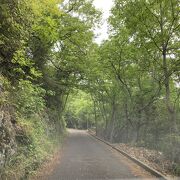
8, 145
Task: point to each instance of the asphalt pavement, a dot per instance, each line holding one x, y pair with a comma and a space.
85, 158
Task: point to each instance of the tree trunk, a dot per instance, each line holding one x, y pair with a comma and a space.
169, 105
95, 116
113, 119
127, 123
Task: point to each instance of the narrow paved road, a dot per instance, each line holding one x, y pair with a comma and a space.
84, 157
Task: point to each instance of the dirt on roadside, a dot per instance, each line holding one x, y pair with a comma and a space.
153, 158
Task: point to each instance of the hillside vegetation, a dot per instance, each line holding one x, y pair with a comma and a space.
43, 46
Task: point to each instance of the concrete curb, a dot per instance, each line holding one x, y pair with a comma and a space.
144, 166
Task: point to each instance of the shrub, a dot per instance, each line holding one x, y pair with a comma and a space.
28, 98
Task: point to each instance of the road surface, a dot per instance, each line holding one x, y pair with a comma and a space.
83, 157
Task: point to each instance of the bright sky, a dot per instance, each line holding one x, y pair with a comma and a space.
105, 6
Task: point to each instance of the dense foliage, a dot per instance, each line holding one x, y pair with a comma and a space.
43, 46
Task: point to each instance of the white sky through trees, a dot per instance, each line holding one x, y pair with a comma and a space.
105, 6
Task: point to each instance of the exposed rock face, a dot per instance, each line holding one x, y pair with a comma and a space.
8, 144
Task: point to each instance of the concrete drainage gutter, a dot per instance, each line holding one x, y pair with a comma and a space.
146, 167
